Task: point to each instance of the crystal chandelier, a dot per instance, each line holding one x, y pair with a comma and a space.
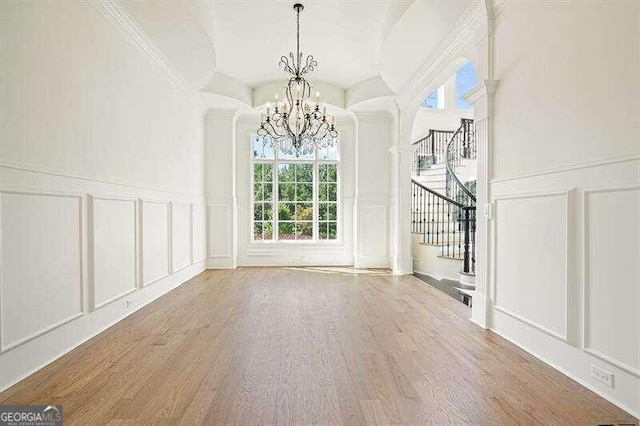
298, 124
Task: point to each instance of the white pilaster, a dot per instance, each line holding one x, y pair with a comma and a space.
371, 205
401, 158
220, 188
482, 100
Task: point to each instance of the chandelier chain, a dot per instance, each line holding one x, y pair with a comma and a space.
298, 58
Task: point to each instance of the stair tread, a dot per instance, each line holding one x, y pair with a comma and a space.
470, 293
457, 248
451, 258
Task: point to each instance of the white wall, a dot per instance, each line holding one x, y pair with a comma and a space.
101, 180
566, 189
220, 158
373, 189
569, 94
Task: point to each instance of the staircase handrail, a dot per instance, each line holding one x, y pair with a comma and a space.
424, 219
441, 196
450, 157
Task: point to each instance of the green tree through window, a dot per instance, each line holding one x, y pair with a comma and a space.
294, 198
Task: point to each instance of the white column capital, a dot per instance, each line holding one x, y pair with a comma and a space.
481, 97
486, 89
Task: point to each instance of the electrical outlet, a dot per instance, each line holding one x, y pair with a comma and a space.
601, 375
129, 304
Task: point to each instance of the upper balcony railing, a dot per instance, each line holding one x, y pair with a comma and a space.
430, 150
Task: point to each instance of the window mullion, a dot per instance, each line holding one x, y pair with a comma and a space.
295, 203
316, 212
276, 201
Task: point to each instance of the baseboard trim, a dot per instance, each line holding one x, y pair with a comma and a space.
366, 262
566, 373
39, 367
479, 314
434, 276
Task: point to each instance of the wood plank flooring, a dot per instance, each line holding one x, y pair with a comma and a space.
307, 346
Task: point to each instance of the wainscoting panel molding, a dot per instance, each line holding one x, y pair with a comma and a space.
612, 276
113, 249
155, 241
372, 239
220, 230
532, 274
180, 236
198, 233
41, 264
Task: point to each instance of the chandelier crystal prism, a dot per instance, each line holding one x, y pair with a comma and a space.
298, 124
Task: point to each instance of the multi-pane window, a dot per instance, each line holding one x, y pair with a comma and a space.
295, 201
327, 201
263, 201
295, 197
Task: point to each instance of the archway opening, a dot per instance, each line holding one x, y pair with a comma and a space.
443, 187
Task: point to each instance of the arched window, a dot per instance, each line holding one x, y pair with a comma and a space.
465, 80
295, 198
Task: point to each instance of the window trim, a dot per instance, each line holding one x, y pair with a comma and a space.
274, 201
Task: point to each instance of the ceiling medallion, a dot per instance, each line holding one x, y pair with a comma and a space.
298, 124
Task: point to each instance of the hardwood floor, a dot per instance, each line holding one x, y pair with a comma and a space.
306, 346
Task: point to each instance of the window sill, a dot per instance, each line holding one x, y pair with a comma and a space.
295, 248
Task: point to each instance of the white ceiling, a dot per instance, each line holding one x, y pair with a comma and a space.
415, 37
345, 36
352, 40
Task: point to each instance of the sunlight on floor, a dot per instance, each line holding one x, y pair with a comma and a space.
341, 270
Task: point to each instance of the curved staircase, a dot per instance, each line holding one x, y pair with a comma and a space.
443, 212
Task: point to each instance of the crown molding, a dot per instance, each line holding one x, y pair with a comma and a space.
463, 33
116, 14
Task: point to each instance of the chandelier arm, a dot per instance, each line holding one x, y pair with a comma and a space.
295, 64
284, 63
278, 120
310, 65
282, 121
273, 132
320, 126
313, 127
